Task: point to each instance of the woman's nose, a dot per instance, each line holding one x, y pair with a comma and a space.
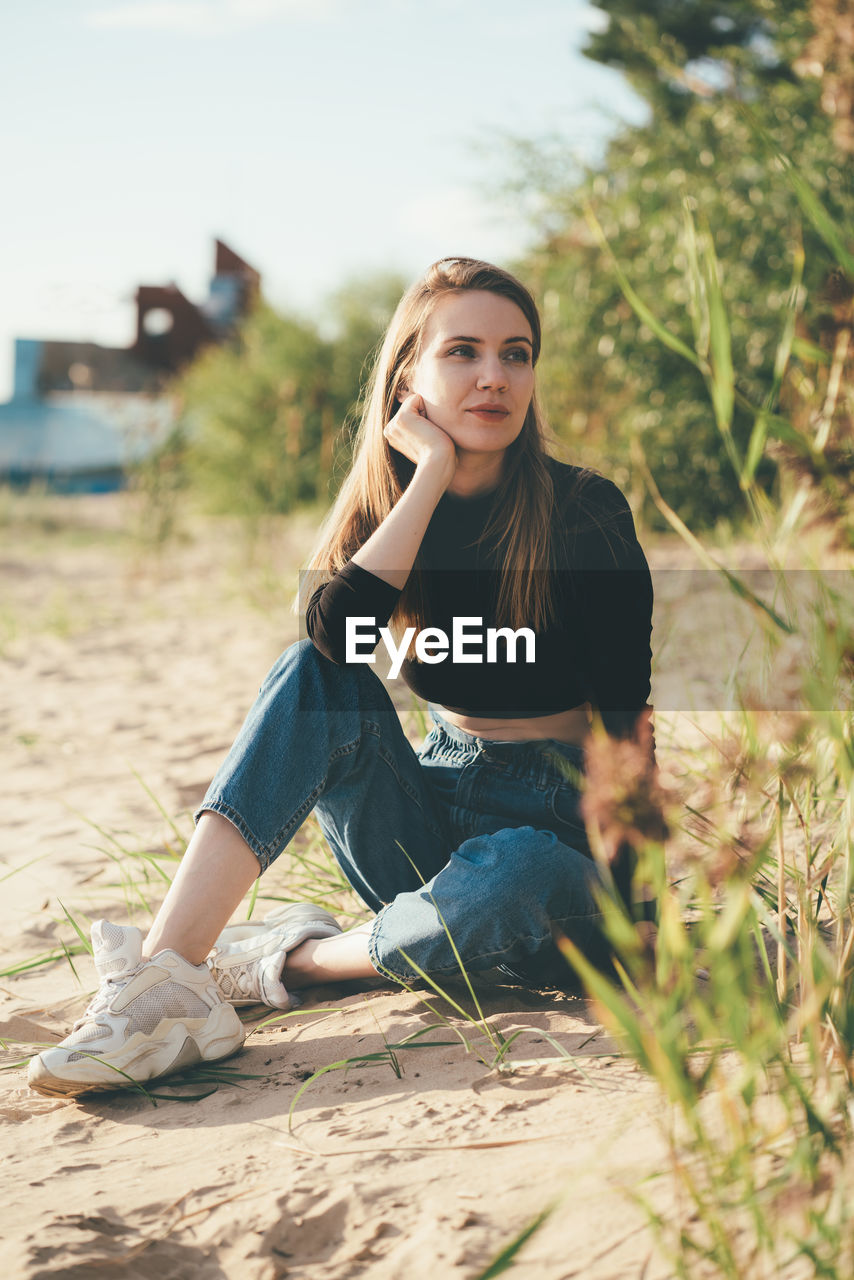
492, 374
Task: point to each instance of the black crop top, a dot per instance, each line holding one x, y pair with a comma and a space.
597, 648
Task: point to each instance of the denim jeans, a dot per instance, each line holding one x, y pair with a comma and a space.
467, 839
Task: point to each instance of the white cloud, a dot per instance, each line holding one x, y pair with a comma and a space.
208, 17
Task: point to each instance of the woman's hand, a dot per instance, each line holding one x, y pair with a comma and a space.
390, 551
413, 434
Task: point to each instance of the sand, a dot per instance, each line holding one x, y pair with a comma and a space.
124, 677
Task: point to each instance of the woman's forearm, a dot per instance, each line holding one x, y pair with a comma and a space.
390, 551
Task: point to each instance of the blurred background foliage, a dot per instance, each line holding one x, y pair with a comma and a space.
739, 91
727, 83
264, 422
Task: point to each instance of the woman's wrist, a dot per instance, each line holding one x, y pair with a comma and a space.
437, 470
390, 551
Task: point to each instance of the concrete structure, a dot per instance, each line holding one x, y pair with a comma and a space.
81, 413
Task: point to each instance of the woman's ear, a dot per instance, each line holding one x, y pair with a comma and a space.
401, 393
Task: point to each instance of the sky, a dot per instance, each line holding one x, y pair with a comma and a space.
322, 139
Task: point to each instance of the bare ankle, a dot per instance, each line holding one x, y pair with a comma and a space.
300, 969
336, 959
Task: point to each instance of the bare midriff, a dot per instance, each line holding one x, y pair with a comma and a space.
564, 726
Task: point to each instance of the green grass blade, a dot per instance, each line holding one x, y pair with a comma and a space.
720, 343
806, 350
711, 328
167, 818
780, 428
430, 1044
696, 287
506, 1258
623, 1018
439, 992
759, 433
831, 233
300, 1013
366, 1060
24, 866
634, 300
408, 1041
742, 590
828, 229
253, 897
482, 1019
75, 926
437, 1013
61, 952
483, 1023
122, 850
420, 718
678, 524
722, 377
562, 1052
71, 965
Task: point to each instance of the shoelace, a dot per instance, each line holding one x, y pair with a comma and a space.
109, 988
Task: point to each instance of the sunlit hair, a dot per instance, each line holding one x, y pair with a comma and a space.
379, 474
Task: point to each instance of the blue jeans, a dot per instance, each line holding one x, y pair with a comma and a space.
470, 838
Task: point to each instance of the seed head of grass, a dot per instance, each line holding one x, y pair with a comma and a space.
624, 797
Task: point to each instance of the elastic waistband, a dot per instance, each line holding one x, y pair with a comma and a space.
472, 743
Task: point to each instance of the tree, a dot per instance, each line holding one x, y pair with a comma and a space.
665, 46
711, 142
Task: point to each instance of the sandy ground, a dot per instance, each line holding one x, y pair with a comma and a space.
124, 678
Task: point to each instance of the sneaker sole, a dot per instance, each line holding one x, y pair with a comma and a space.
184, 1043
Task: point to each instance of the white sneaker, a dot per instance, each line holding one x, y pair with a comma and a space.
247, 959
148, 1019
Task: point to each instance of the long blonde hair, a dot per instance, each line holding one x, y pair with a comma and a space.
379, 474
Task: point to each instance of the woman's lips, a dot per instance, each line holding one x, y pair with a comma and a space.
489, 415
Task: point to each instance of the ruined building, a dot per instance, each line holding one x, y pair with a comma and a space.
81, 412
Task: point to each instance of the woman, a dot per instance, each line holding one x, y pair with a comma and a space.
521, 581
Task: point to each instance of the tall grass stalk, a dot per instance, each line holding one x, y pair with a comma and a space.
743, 1012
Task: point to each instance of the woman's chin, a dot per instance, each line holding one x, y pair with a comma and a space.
484, 439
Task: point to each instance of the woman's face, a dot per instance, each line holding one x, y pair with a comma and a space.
475, 372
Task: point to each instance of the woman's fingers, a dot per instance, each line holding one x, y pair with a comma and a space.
412, 407
415, 404
413, 434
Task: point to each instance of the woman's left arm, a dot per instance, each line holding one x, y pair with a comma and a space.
614, 594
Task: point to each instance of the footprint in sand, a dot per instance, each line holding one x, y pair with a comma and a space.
310, 1228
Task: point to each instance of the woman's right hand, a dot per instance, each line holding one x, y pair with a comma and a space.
419, 439
391, 550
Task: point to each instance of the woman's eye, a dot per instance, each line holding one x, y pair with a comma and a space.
517, 355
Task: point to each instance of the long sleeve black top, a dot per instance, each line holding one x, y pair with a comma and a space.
597, 647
